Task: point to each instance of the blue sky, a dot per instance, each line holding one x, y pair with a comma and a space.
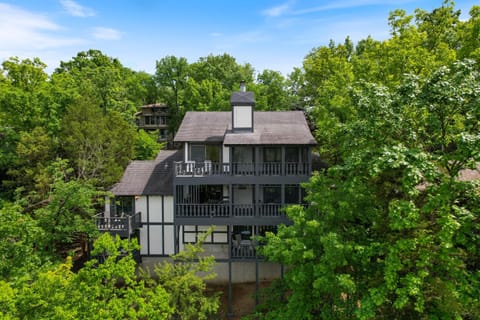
268, 34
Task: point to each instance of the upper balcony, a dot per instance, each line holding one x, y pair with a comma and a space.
208, 168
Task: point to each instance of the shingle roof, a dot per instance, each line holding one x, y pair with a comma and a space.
242, 98
203, 127
278, 127
149, 177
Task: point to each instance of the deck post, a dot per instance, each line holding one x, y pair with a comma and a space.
230, 291
256, 279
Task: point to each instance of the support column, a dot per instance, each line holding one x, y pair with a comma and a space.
256, 279
230, 293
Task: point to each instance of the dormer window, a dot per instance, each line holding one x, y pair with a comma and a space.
243, 103
243, 117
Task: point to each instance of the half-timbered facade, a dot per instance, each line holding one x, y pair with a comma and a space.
235, 170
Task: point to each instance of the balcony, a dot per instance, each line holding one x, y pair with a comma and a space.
244, 249
224, 210
208, 168
124, 226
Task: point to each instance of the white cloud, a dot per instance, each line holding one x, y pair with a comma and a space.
346, 4
25, 30
76, 10
106, 33
216, 34
276, 11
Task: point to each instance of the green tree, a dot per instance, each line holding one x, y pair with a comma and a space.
185, 279
392, 231
25, 103
66, 217
146, 145
171, 78
98, 145
19, 234
271, 92
35, 152
114, 86
100, 290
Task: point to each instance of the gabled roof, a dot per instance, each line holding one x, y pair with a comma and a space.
149, 177
276, 127
203, 127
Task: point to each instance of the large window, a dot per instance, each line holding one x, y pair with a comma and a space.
124, 205
199, 194
213, 153
242, 154
201, 152
272, 154
291, 154
197, 152
272, 193
292, 194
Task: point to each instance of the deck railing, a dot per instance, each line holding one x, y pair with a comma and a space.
244, 249
202, 210
225, 211
124, 225
207, 168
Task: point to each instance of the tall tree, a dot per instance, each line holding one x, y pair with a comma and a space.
171, 78
98, 145
392, 232
271, 91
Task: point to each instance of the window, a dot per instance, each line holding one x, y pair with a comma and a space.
191, 234
243, 154
201, 152
292, 194
272, 154
197, 153
272, 194
213, 153
291, 154
147, 120
124, 206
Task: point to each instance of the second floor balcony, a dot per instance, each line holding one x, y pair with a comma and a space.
208, 168
225, 210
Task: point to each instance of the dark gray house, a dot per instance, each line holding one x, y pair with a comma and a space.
235, 171
154, 117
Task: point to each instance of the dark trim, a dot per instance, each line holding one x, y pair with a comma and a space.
231, 179
247, 221
148, 225
163, 226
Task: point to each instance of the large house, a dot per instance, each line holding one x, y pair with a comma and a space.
153, 117
236, 171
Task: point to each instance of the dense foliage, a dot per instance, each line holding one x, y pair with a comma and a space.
392, 230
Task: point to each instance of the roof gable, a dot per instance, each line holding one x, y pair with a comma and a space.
149, 177
270, 127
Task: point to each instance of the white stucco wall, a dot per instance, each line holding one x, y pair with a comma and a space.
156, 238
141, 206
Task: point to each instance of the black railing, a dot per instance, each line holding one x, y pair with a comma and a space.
202, 210
226, 211
124, 225
207, 168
